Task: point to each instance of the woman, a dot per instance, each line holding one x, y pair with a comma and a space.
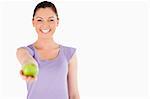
57, 77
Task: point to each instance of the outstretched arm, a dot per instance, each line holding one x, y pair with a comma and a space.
24, 57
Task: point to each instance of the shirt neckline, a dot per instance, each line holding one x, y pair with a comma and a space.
48, 60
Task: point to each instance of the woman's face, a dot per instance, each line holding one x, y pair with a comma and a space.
45, 22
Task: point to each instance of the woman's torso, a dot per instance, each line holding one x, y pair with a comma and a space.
52, 78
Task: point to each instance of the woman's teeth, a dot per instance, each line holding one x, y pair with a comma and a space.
45, 31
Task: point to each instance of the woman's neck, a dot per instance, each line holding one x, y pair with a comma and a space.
45, 43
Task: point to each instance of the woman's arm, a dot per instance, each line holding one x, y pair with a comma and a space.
24, 57
72, 78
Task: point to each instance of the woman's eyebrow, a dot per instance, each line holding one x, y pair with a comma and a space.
52, 17
39, 17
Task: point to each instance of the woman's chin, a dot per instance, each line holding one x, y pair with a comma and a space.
45, 35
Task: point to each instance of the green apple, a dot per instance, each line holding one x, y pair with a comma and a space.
30, 70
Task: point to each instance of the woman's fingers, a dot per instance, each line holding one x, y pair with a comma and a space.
30, 79
21, 72
22, 76
27, 78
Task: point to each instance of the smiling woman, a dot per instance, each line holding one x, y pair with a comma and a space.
57, 64
45, 21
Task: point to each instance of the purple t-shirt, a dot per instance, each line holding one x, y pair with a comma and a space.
52, 77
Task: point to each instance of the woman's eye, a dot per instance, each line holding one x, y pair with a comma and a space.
39, 20
51, 20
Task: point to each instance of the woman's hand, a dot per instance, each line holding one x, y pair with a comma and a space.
27, 78
24, 57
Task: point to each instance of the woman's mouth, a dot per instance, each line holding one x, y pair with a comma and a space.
45, 31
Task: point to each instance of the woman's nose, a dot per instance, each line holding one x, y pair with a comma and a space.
46, 25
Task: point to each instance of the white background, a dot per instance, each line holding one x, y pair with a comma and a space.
111, 37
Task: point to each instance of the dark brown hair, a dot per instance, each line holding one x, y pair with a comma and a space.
45, 4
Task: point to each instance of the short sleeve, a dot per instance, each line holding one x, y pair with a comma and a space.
29, 49
69, 52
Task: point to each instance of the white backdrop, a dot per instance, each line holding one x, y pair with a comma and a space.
112, 41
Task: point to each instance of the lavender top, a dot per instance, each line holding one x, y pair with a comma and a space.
52, 77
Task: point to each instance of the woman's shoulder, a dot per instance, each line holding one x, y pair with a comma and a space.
67, 47
69, 51
28, 48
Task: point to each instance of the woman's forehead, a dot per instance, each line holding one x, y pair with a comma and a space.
45, 11
42, 12
48, 17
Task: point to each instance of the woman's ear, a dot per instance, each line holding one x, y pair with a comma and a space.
57, 21
33, 22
